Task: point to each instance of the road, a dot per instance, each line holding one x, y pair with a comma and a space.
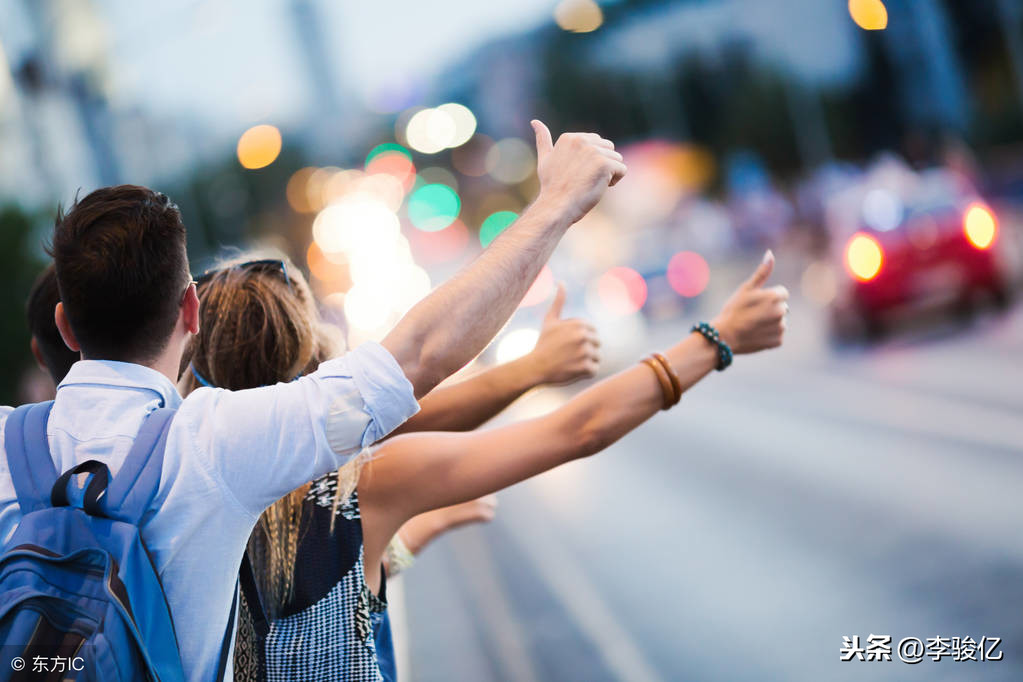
797, 498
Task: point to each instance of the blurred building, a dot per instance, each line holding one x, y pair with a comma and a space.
59, 133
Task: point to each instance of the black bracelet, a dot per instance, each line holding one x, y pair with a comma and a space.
724, 351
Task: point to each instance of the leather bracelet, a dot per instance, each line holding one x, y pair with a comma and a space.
667, 391
676, 383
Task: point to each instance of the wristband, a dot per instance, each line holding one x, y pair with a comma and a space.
724, 350
397, 556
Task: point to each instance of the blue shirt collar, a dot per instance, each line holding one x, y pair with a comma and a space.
111, 373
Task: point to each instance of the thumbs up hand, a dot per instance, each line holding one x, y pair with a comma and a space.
753, 318
567, 350
575, 171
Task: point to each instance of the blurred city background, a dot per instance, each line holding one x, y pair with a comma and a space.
863, 480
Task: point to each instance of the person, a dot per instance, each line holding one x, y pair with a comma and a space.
325, 597
542, 365
128, 304
244, 303
48, 348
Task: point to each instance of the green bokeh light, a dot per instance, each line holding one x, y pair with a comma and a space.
495, 225
433, 207
387, 147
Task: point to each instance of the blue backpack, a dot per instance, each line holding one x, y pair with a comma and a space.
76, 580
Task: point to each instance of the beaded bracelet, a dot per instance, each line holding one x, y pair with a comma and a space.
724, 351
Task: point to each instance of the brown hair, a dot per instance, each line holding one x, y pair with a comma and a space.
121, 269
43, 298
256, 329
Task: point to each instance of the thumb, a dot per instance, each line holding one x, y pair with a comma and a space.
544, 143
763, 271
554, 312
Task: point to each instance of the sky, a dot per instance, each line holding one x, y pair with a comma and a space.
238, 61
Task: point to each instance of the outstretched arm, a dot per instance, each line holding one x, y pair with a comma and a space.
448, 328
566, 351
422, 529
417, 472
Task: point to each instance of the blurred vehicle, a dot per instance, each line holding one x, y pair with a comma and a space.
906, 240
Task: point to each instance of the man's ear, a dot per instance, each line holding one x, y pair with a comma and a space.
64, 327
190, 309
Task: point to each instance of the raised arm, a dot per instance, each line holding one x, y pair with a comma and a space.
417, 472
566, 351
422, 529
448, 328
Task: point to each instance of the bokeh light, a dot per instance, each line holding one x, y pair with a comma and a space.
495, 224
980, 226
433, 207
298, 197
510, 161
354, 223
381, 186
621, 290
465, 123
661, 174
443, 246
515, 344
384, 148
430, 131
316, 185
882, 209
363, 309
540, 290
395, 164
332, 272
688, 273
259, 146
870, 15
864, 257
578, 16
436, 175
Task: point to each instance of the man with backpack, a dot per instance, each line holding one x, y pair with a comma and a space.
124, 510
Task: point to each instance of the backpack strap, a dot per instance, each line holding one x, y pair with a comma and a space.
225, 648
28, 455
250, 588
132, 491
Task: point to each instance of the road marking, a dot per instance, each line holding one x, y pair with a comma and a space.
507, 638
567, 581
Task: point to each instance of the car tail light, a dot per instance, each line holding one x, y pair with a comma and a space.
980, 226
864, 257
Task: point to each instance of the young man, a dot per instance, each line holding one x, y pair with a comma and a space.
129, 305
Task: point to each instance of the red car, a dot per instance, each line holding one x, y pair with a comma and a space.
936, 244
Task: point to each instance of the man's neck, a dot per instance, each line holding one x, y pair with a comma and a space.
167, 363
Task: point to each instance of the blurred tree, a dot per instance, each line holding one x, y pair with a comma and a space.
20, 261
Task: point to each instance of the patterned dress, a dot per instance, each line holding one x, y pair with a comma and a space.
326, 631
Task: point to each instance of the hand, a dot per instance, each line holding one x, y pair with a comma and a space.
567, 349
754, 317
480, 510
575, 172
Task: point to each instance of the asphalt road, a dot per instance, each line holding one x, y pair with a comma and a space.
797, 498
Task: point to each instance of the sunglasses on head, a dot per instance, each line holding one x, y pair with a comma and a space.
262, 265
